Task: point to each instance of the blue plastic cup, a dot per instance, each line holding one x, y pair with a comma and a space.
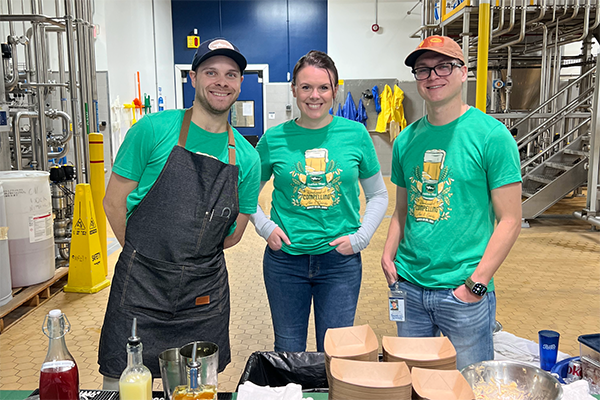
548, 348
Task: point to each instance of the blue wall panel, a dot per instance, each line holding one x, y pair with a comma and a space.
308, 21
258, 27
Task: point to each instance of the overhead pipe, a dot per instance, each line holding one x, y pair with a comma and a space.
511, 24
542, 13
90, 53
586, 26
575, 13
521, 32
79, 175
482, 54
84, 86
596, 21
41, 103
586, 21
61, 60
566, 37
500, 19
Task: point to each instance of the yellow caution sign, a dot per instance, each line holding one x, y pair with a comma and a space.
86, 263
96, 141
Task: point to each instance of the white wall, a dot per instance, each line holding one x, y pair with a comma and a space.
129, 31
358, 52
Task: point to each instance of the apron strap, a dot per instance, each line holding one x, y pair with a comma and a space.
185, 126
231, 145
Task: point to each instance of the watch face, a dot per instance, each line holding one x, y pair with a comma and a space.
479, 289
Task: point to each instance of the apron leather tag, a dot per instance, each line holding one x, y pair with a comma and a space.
200, 301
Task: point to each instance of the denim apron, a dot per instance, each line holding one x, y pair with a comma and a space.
171, 274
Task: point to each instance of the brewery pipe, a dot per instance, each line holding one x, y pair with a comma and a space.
588, 218
511, 24
500, 19
508, 79
521, 32
80, 177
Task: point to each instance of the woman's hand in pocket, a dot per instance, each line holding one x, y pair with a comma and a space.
343, 245
275, 239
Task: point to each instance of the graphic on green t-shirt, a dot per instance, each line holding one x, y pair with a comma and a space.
430, 189
317, 182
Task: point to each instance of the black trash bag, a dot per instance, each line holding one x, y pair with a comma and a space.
271, 368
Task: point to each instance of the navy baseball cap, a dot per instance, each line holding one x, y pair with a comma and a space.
218, 47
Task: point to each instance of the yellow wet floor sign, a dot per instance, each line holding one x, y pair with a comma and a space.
86, 264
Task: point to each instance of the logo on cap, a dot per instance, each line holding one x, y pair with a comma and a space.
220, 44
432, 42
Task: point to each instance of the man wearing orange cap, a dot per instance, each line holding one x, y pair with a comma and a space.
457, 172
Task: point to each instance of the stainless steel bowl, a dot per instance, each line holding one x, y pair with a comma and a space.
534, 383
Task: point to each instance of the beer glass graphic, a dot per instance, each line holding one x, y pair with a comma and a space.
433, 162
316, 164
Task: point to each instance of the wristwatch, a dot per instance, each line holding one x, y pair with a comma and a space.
477, 288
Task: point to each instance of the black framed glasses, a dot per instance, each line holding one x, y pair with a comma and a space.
441, 70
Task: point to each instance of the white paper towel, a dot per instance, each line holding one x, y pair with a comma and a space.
250, 391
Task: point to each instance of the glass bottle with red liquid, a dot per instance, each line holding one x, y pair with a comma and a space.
59, 377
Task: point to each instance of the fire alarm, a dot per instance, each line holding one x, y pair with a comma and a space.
375, 27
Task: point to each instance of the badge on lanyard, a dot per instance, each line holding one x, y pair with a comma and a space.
397, 303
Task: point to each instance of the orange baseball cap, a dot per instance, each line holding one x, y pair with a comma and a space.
440, 44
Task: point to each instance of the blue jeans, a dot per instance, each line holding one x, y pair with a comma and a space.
292, 282
469, 326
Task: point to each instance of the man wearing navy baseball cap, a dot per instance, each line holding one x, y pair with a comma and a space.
184, 184
218, 47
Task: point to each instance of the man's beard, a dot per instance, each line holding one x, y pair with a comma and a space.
205, 104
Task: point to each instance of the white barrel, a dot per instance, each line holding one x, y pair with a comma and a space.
5, 282
30, 226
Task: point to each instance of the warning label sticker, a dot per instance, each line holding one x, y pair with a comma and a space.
40, 228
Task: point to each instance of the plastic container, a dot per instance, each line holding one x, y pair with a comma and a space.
589, 346
5, 281
589, 350
30, 226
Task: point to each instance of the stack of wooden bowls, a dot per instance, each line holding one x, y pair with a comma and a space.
423, 352
358, 343
359, 380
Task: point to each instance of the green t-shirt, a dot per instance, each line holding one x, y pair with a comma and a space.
449, 172
149, 142
316, 180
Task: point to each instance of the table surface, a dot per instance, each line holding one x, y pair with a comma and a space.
23, 394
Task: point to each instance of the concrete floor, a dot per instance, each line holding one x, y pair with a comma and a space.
551, 280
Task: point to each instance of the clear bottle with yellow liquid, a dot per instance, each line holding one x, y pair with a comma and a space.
193, 390
136, 380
